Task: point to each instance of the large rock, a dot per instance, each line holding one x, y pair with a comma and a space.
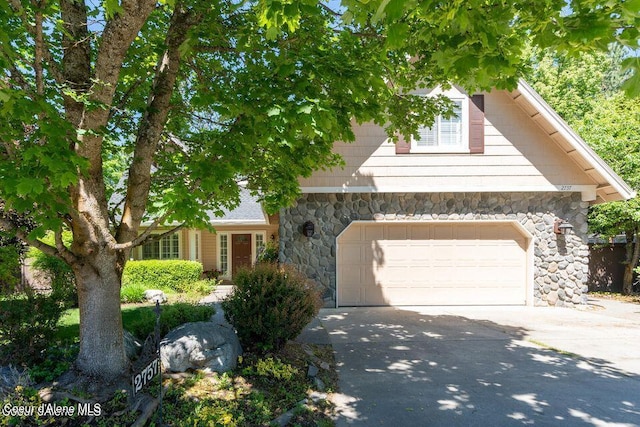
155, 295
207, 346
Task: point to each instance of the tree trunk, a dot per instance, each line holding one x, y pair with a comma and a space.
632, 256
102, 352
627, 280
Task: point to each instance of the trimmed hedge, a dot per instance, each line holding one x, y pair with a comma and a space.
158, 274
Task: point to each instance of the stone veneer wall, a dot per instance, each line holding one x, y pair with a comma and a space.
560, 262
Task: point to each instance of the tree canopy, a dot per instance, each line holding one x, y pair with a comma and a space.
196, 96
587, 92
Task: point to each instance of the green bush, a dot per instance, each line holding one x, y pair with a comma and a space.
200, 287
132, 292
271, 368
56, 361
141, 321
9, 268
270, 305
63, 282
28, 322
269, 253
159, 274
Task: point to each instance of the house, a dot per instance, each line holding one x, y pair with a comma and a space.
239, 235
472, 213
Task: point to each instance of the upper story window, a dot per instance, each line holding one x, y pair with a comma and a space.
165, 248
446, 134
463, 132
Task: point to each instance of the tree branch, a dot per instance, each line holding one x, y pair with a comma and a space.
152, 124
120, 103
63, 251
54, 67
328, 9
39, 53
21, 234
18, 78
142, 237
210, 49
118, 34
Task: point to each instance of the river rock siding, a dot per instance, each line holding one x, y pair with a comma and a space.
560, 262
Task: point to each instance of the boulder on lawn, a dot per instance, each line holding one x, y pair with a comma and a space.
204, 346
155, 295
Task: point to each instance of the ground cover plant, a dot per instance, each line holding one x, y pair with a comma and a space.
258, 391
264, 385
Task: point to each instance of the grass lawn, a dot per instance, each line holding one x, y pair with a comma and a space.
132, 315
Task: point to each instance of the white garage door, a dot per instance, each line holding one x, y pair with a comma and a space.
437, 263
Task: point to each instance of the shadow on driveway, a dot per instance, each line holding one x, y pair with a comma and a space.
403, 368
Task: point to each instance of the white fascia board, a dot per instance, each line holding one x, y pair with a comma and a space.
575, 140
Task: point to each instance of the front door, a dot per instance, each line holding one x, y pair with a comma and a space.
240, 251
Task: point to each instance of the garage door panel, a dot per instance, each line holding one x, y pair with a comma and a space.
432, 264
396, 233
443, 233
419, 232
373, 233
466, 233
353, 276
351, 296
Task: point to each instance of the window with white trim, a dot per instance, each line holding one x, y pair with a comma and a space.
197, 246
166, 248
447, 134
223, 264
259, 242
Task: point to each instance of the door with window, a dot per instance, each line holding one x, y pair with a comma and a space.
241, 251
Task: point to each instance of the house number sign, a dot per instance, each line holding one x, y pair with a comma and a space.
145, 376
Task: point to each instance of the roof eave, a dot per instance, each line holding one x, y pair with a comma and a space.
612, 186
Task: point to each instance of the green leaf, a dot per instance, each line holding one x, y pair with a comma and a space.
29, 187
305, 109
381, 11
631, 86
272, 33
274, 111
397, 34
111, 8
186, 47
632, 7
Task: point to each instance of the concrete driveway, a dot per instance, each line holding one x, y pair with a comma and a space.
466, 366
